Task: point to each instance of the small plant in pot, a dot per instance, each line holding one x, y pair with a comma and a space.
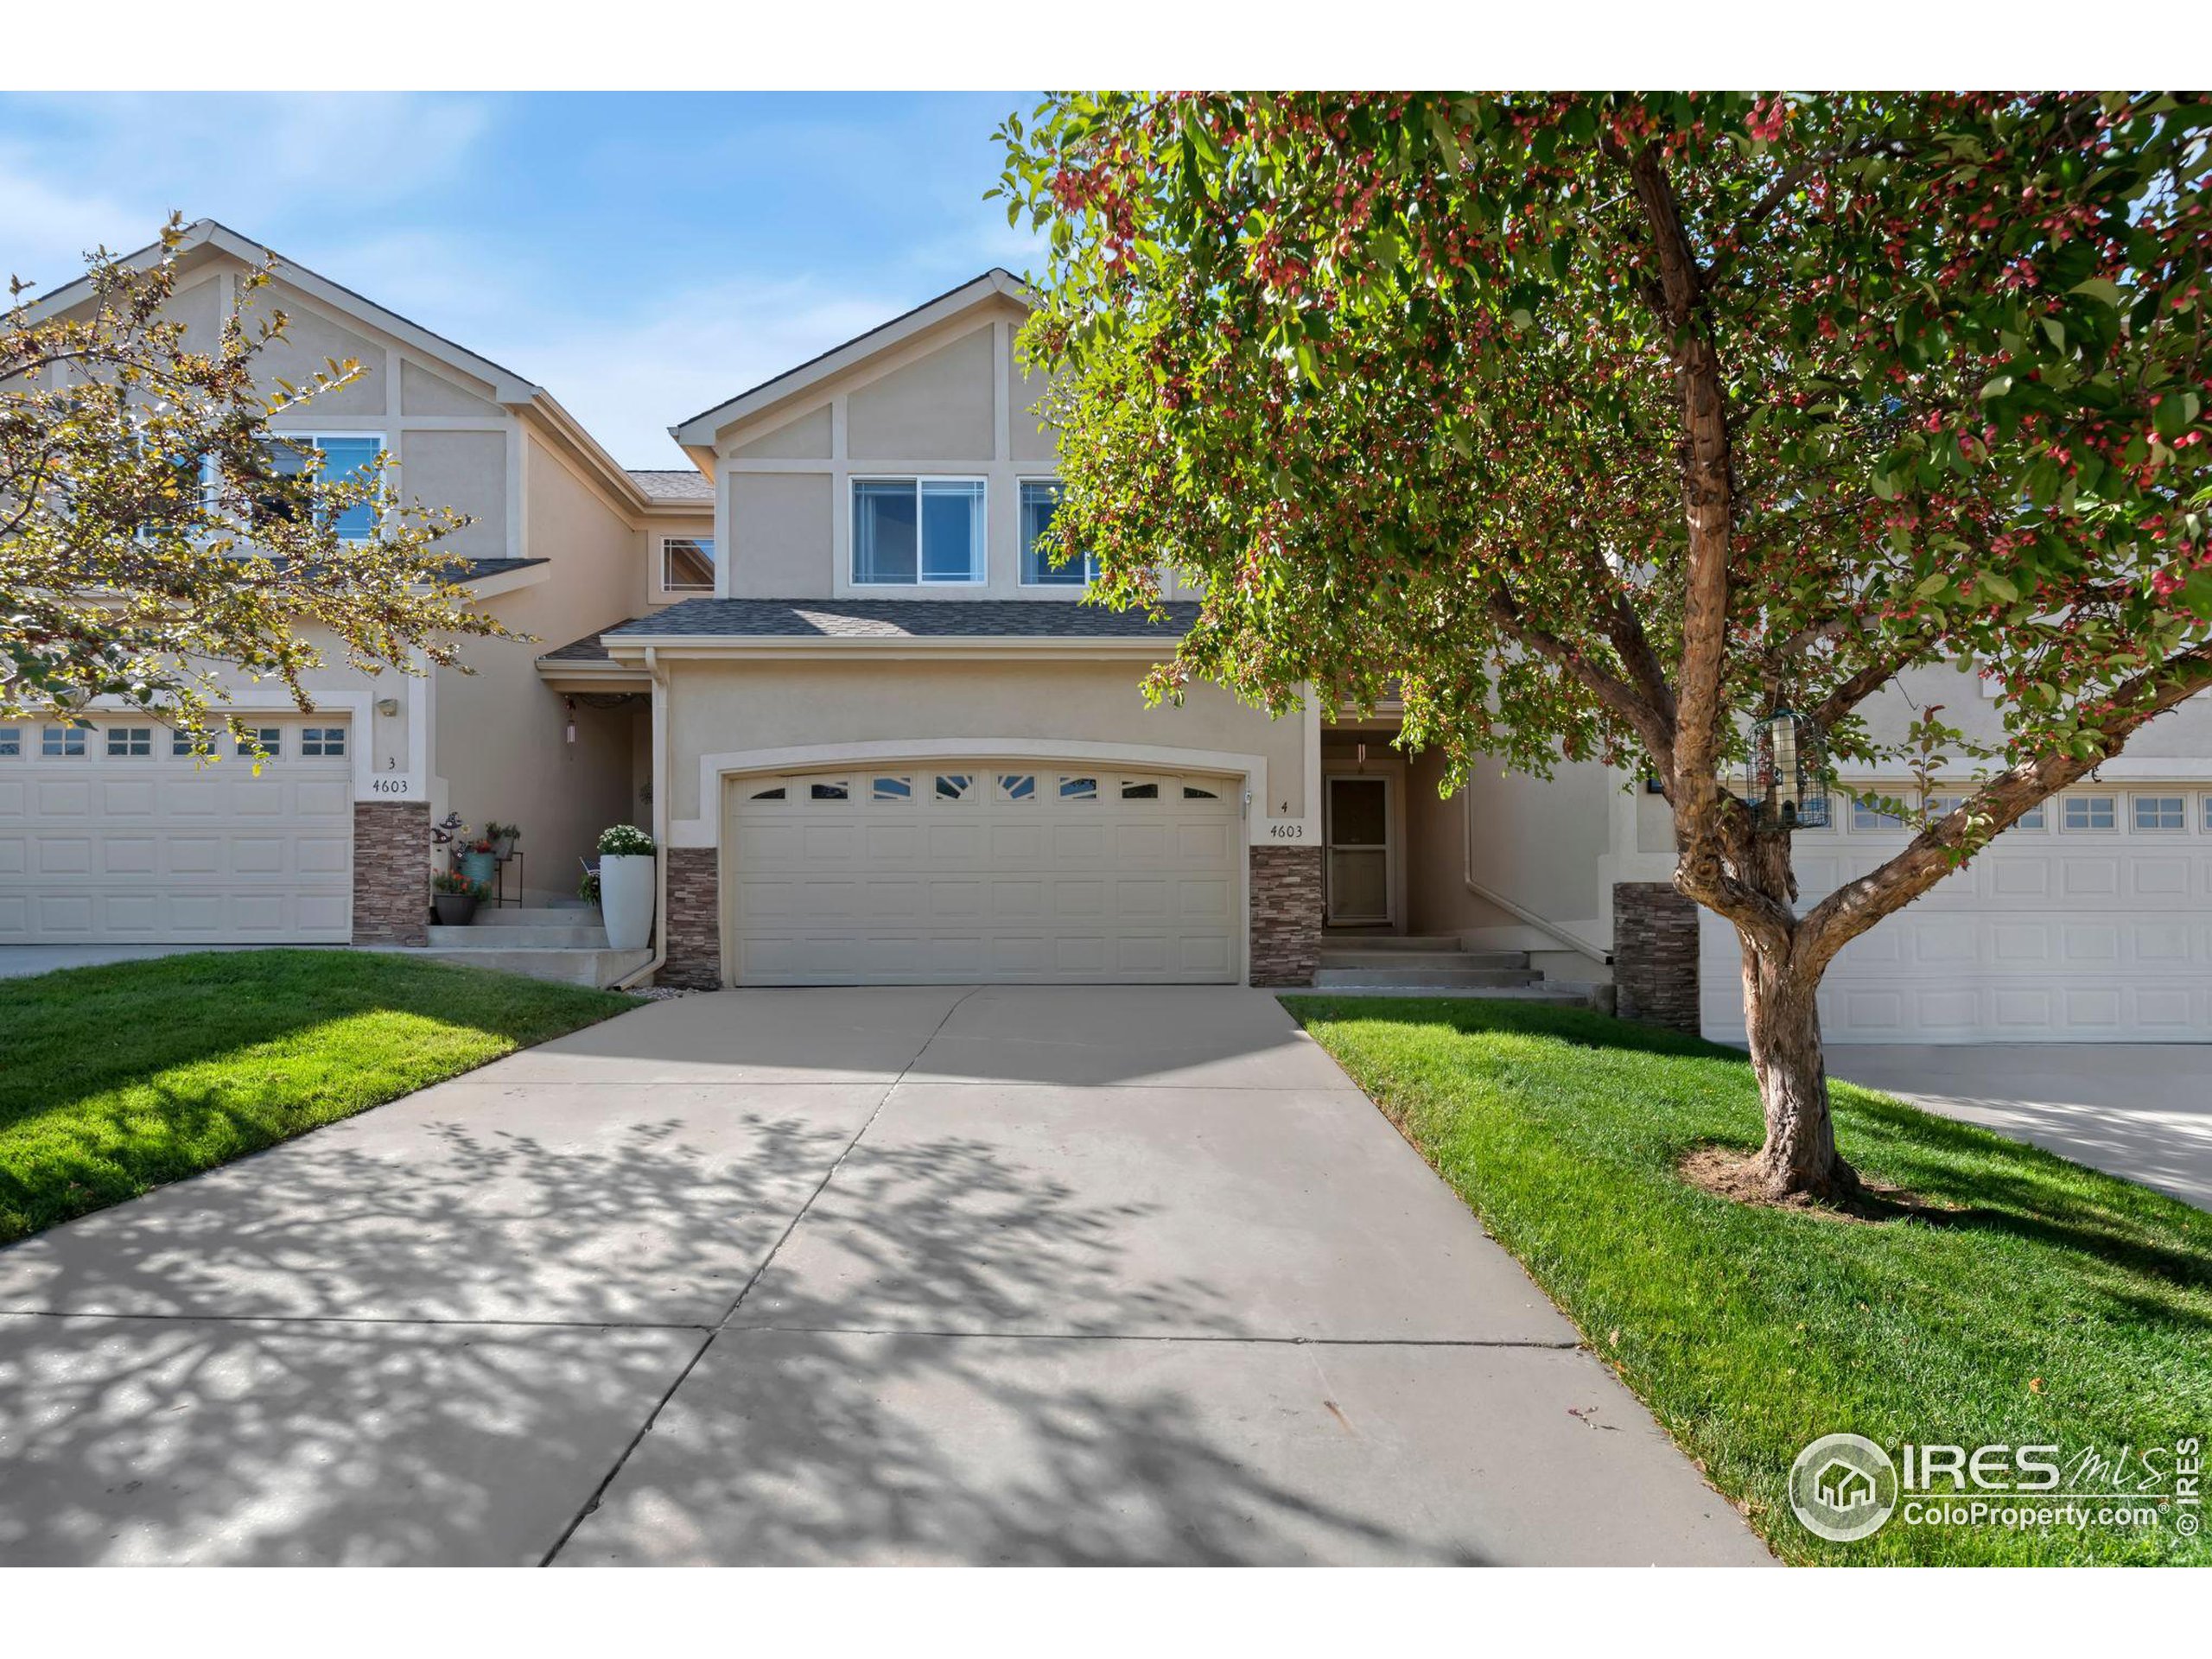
476, 857
454, 898
626, 886
503, 837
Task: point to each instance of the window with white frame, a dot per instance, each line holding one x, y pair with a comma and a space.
271, 738
2160, 812
1865, 815
1941, 806
687, 565
326, 742
129, 742
333, 457
1041, 501
2031, 819
2088, 812
61, 742
918, 532
11, 742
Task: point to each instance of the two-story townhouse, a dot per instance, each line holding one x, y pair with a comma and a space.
891, 746
112, 833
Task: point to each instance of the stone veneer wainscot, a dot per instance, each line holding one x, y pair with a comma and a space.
694, 920
1285, 915
1655, 954
391, 871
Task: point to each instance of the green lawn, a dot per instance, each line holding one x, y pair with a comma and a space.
2052, 1304
115, 1079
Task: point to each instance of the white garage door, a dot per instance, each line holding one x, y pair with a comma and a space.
986, 871
108, 835
2092, 922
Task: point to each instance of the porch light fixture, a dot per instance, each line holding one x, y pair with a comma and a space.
1789, 773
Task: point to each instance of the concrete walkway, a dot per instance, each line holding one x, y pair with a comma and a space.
2141, 1110
1002, 1276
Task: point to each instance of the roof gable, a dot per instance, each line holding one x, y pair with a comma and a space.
991, 286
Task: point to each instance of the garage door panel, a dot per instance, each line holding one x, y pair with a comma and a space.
2052, 935
1123, 876
153, 848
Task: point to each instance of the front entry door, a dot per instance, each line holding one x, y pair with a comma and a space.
1357, 823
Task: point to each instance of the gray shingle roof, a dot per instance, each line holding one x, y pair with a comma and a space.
893, 619
589, 649
472, 568
680, 484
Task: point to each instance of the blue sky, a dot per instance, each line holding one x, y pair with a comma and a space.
639, 255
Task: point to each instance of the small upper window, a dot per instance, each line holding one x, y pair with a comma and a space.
1133, 791
1866, 816
775, 794
837, 791
180, 744
893, 789
57, 742
918, 530
687, 565
270, 739
1017, 785
2161, 812
1941, 806
1192, 792
128, 741
343, 458
1041, 501
1078, 789
2031, 819
953, 786
2088, 812
11, 742
328, 741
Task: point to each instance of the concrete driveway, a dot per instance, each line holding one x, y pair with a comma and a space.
1052, 1275
2141, 1110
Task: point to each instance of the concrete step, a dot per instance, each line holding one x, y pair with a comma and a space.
594, 967
1566, 996
1333, 939
1418, 978
537, 915
1338, 955
495, 932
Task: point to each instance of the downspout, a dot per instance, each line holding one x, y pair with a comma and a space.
659, 677
1520, 914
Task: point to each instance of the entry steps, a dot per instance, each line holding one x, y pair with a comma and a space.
1414, 961
565, 943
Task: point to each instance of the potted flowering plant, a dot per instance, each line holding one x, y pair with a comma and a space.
503, 837
478, 859
455, 898
626, 886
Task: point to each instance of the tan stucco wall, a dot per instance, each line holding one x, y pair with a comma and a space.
309, 339
421, 392
500, 750
806, 438
654, 595
1536, 840
781, 526
717, 708
466, 471
938, 408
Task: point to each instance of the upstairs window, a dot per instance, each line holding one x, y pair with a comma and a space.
1041, 501
344, 458
918, 532
687, 565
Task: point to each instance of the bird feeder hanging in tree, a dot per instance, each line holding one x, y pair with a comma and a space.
1788, 780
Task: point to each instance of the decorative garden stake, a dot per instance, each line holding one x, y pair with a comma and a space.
1789, 773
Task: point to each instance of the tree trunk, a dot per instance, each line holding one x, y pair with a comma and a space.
1784, 1021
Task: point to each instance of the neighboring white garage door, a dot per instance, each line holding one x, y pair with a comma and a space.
109, 836
2094, 923
981, 870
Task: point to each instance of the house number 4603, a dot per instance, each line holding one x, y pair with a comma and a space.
1287, 831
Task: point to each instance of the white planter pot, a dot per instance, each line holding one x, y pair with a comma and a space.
625, 898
